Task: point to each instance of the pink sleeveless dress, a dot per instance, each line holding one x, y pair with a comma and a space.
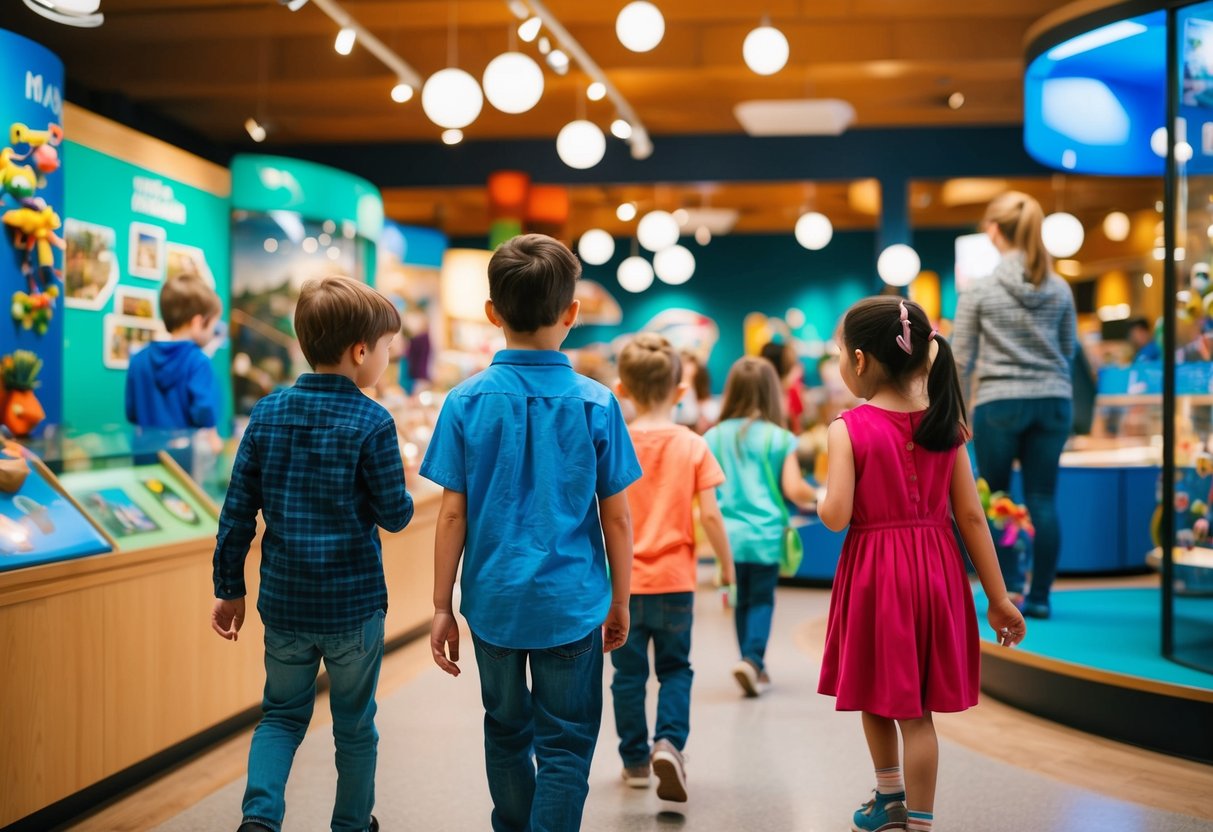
902, 637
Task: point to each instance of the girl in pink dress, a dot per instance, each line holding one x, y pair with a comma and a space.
902, 641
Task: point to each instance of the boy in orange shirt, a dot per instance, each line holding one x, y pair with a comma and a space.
678, 467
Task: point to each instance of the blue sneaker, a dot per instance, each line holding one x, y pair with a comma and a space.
883, 813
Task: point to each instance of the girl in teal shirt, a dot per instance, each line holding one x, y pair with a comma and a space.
758, 457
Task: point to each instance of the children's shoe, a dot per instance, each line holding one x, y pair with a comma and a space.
883, 813
251, 826
1034, 609
764, 683
374, 827
746, 674
637, 777
670, 768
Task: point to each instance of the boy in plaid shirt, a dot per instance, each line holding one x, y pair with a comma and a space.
320, 461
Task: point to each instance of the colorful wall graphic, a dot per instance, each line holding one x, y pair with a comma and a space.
130, 228
31, 212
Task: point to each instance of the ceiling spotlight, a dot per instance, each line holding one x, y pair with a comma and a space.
345, 40
83, 14
956, 100
681, 216
295, 5
528, 30
558, 61
401, 93
1116, 226
452, 136
517, 8
596, 91
626, 212
255, 131
544, 45
621, 129
703, 235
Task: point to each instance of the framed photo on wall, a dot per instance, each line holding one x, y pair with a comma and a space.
90, 266
136, 302
181, 259
147, 258
123, 336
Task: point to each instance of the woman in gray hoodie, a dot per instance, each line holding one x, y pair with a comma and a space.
1014, 338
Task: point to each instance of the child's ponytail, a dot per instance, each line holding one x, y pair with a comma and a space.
943, 427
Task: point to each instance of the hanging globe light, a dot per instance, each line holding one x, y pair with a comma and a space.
657, 230
451, 98
581, 144
1116, 226
640, 26
898, 265
1062, 233
674, 265
596, 247
765, 50
513, 82
635, 274
814, 231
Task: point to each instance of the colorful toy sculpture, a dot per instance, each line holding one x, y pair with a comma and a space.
31, 223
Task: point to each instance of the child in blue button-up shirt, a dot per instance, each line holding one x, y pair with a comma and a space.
321, 462
534, 460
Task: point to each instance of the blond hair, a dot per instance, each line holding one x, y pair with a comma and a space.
649, 369
335, 313
1019, 217
185, 295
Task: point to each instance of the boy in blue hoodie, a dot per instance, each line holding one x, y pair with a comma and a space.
170, 384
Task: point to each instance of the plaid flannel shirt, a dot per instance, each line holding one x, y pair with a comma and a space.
321, 462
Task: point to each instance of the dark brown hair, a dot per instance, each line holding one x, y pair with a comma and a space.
532, 279
873, 326
752, 391
184, 296
649, 369
334, 313
703, 379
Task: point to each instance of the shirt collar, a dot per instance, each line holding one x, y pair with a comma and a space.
325, 381
533, 358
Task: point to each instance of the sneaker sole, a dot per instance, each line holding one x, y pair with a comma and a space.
888, 827
670, 785
747, 684
637, 783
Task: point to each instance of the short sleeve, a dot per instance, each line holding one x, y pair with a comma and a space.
784, 441
617, 464
444, 461
708, 473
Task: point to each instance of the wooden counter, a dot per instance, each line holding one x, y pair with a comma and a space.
107, 661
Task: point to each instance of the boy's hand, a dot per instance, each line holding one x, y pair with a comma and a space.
1007, 622
728, 575
227, 617
444, 639
615, 628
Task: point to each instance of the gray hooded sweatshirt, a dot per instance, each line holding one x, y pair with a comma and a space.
1016, 338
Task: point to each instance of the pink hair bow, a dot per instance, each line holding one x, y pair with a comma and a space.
903, 340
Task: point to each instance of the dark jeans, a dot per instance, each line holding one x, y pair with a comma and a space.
553, 724
1033, 431
755, 609
292, 660
665, 620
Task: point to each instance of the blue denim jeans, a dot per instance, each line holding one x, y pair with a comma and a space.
665, 620
553, 725
1033, 431
755, 609
292, 660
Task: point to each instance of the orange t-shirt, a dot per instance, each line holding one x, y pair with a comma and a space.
677, 465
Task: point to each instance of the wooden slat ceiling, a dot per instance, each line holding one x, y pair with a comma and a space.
211, 63
766, 207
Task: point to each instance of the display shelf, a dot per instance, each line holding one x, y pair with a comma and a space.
41, 523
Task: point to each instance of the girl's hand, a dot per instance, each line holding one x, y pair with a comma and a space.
1007, 622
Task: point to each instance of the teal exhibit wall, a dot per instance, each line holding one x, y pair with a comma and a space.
126, 204
769, 274
32, 182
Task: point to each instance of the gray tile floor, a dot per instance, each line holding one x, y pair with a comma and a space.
786, 762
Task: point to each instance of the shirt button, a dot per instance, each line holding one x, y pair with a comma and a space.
909, 446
